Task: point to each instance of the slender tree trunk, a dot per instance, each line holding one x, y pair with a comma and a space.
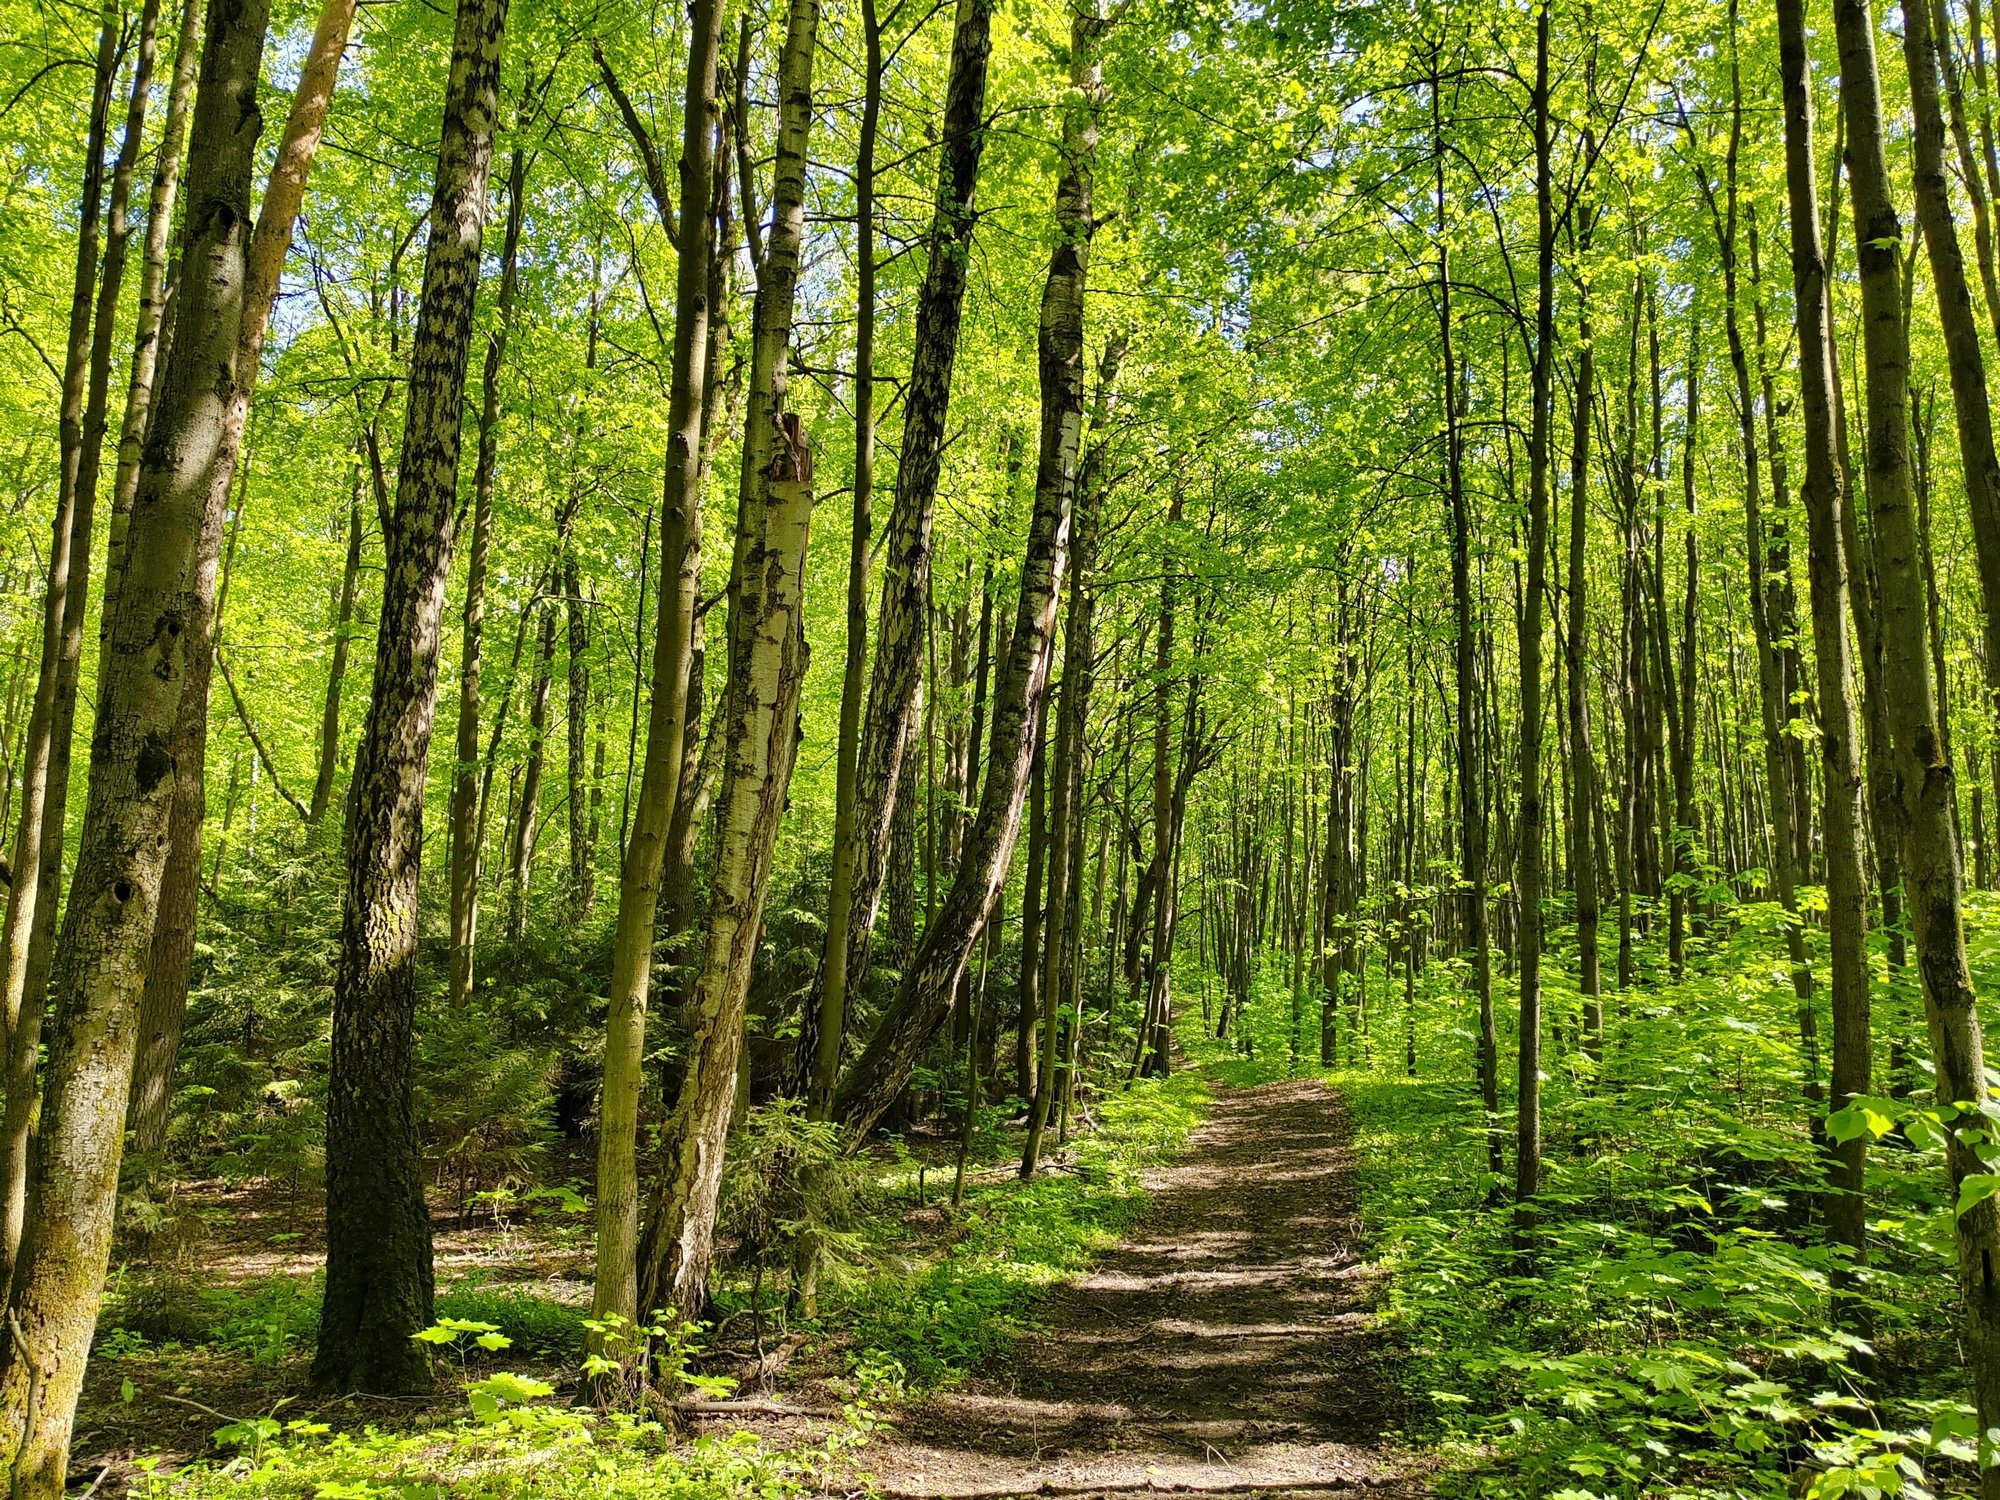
576, 763
1151, 1058
900, 624
617, 1279
924, 996
1766, 590
1681, 904
336, 671
1842, 814
1967, 365
154, 293
1923, 804
1583, 781
528, 820
464, 811
1465, 659
1063, 951
1528, 1122
378, 1270
109, 923
166, 995
67, 578
767, 651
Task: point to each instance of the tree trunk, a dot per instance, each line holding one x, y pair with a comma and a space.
378, 1270
900, 625
464, 813
528, 820
1583, 780
1842, 808
179, 907
767, 662
1062, 938
67, 575
1528, 1121
1922, 805
924, 996
153, 299
109, 923
617, 1272
1465, 659
1967, 365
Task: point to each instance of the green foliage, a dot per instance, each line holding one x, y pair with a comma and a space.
939, 1318
536, 1325
264, 1319
514, 1447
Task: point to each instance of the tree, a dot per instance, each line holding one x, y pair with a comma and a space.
378, 1274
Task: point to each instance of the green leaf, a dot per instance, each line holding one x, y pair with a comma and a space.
1857, 1120
1976, 1189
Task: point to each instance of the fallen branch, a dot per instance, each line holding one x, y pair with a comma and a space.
754, 1406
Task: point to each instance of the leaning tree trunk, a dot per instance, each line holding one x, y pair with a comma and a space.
284, 195
924, 997
895, 680
1922, 806
1842, 813
617, 1289
67, 576
378, 1264
767, 660
109, 923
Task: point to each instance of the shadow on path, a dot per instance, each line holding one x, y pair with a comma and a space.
1224, 1347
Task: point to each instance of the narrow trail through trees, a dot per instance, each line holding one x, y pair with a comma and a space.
1224, 1346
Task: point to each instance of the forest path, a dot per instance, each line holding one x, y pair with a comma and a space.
1224, 1346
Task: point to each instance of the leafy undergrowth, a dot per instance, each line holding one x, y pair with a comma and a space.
519, 1445
1670, 1330
925, 1296
944, 1311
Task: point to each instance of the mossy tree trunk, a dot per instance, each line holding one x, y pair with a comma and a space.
108, 928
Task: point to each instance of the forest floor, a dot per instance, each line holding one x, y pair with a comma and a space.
1225, 1345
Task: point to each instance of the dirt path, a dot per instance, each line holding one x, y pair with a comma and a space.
1224, 1346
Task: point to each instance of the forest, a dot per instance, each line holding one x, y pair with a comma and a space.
960, 750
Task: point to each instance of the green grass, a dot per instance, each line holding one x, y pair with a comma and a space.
908, 1319
942, 1315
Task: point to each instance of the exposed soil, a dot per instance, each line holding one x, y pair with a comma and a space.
1225, 1346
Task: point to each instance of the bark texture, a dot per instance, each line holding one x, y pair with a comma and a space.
924, 996
617, 1288
109, 924
895, 680
378, 1272
1923, 791
767, 661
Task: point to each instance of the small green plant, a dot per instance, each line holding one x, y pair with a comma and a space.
461, 1336
506, 1396
669, 1343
